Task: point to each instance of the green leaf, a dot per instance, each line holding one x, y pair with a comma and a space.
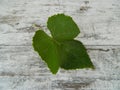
74, 55
61, 50
62, 27
47, 49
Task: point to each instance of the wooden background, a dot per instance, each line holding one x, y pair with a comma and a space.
22, 69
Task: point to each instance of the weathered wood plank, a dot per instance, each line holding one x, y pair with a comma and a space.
100, 24
48, 83
23, 61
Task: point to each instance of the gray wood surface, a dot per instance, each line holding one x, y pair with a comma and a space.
22, 69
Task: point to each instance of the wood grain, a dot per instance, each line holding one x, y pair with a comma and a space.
22, 69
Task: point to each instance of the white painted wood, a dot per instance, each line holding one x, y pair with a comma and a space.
22, 69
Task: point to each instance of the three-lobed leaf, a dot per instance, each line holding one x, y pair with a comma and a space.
61, 50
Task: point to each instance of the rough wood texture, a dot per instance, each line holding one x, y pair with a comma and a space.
22, 69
